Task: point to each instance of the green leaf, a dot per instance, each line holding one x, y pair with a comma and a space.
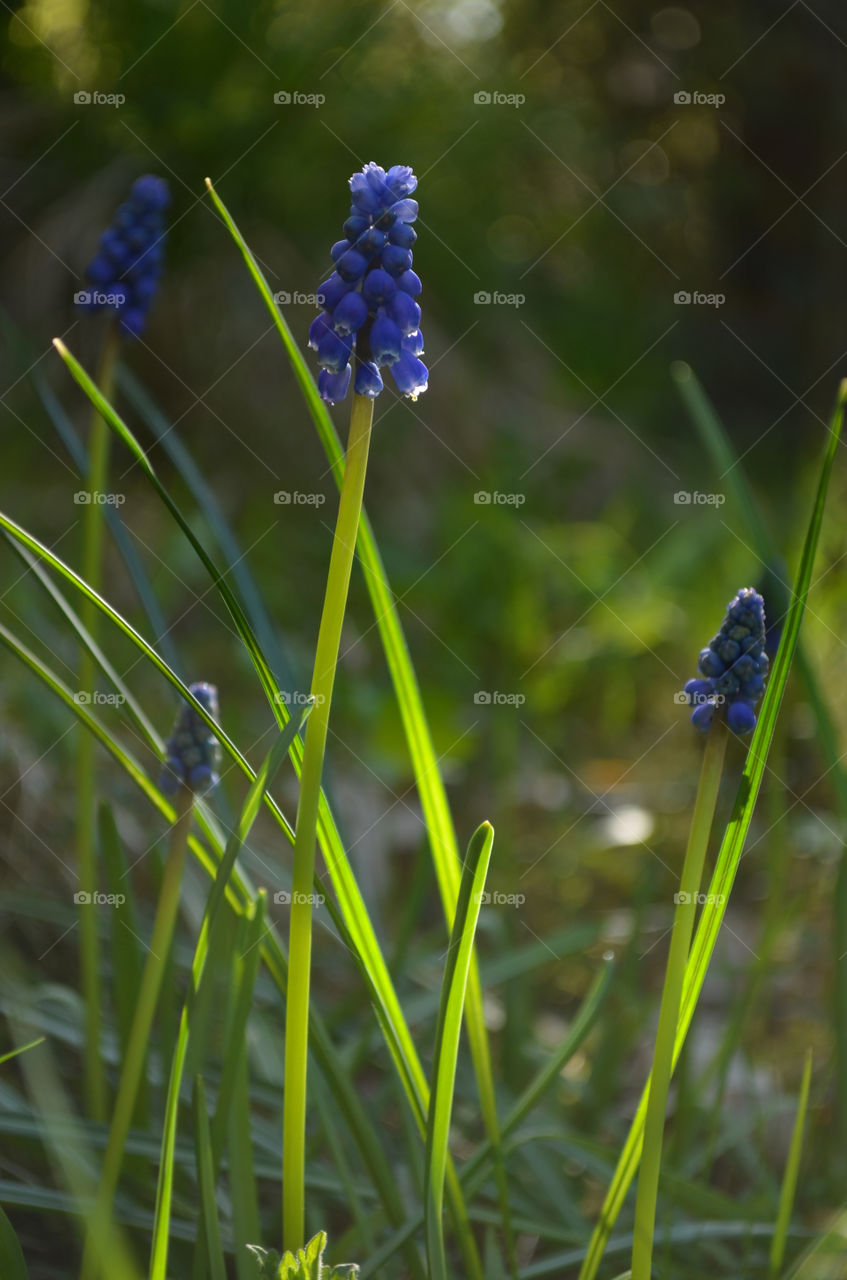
206, 1180
448, 1030
444, 847
12, 1264
250, 809
13, 1053
356, 927
127, 953
476, 1169
731, 848
347, 1099
307, 1265
792, 1169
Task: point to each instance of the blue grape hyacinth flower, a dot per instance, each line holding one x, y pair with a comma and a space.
370, 318
733, 667
192, 752
124, 273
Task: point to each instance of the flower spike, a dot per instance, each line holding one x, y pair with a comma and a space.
733, 667
192, 752
370, 316
124, 272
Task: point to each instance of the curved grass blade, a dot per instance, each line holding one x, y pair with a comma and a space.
719, 447
475, 1170
447, 1033
126, 949
824, 1257
206, 1180
13, 1053
245, 1199
65, 1143
257, 792
446, 856
792, 1169
79, 454
731, 847
12, 1264
165, 435
335, 1070
356, 919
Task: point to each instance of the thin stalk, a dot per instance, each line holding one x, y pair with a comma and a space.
683, 927
86, 824
789, 1181
136, 1054
300, 935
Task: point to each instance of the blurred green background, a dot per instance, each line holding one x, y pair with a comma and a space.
592, 196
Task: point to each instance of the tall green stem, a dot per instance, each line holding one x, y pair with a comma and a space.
136, 1052
92, 554
683, 927
300, 935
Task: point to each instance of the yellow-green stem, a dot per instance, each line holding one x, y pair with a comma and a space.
683, 926
136, 1052
300, 934
86, 826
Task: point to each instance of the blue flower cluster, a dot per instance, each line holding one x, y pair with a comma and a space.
733, 667
192, 753
124, 272
369, 308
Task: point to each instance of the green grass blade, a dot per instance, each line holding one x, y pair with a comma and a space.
475, 1170
167, 437
730, 470
346, 1097
792, 1169
246, 969
245, 631
446, 856
12, 1264
13, 1053
164, 1192
246, 1228
67, 433
356, 921
126, 950
731, 847
206, 1180
448, 1030
824, 1258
